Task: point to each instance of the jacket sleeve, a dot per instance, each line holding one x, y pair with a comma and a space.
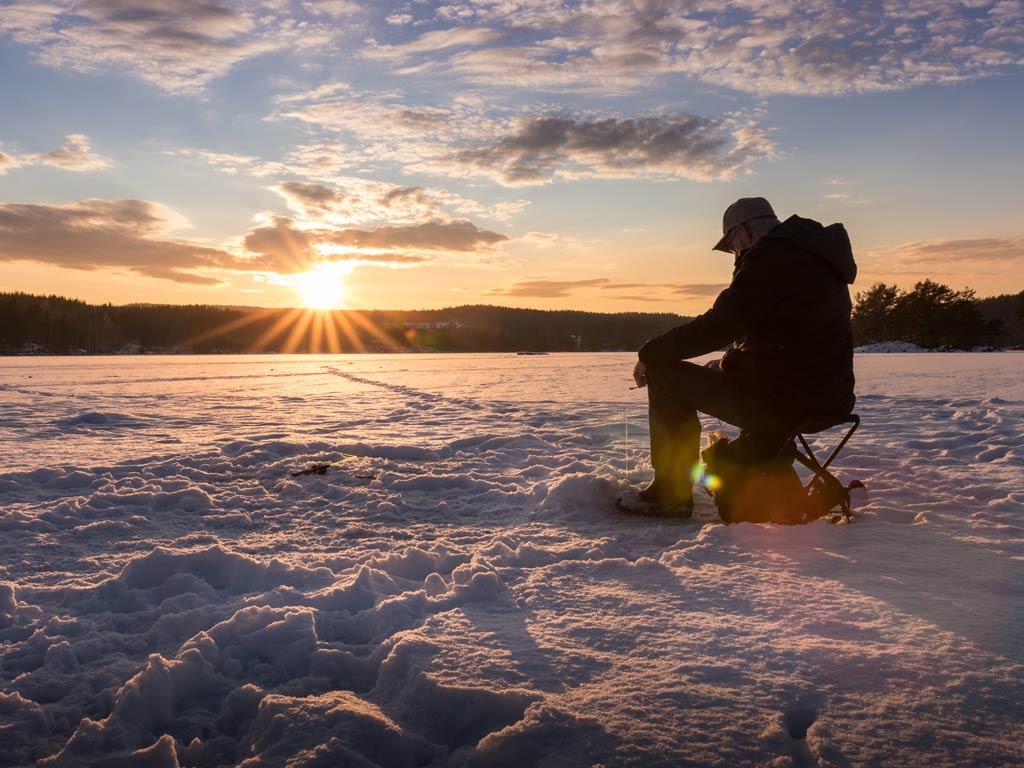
734, 313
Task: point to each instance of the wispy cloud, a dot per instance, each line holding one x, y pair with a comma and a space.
548, 289
467, 138
333, 7
556, 289
388, 124
978, 251
674, 146
819, 47
434, 41
992, 265
7, 163
230, 163
74, 155
178, 45
352, 201
699, 290
459, 236
845, 199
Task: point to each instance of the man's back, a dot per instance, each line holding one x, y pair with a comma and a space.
799, 333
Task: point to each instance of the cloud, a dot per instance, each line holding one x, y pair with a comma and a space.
431, 42
965, 253
311, 197
281, 247
105, 234
74, 155
819, 47
285, 246
177, 45
460, 236
548, 289
991, 265
333, 7
225, 162
669, 146
470, 138
7, 163
355, 202
845, 199
556, 289
365, 221
763, 47
669, 291
384, 119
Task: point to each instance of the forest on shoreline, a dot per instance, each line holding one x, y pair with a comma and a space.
56, 325
930, 315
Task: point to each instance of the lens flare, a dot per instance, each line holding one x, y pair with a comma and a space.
699, 474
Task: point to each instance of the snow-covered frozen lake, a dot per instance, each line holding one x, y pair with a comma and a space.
458, 590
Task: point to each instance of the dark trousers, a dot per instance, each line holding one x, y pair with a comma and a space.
675, 394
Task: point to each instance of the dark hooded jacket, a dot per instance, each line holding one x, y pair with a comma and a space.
787, 311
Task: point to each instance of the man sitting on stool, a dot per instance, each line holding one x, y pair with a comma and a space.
786, 313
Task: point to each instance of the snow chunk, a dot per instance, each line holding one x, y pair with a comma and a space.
23, 723
455, 716
416, 564
336, 728
8, 604
544, 736
579, 491
149, 580
221, 569
144, 705
269, 645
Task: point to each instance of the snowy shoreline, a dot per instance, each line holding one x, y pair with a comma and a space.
457, 590
907, 347
881, 347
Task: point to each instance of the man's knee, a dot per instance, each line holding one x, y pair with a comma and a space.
687, 386
663, 376
673, 378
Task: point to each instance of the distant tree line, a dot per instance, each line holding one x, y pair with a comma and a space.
933, 315
57, 325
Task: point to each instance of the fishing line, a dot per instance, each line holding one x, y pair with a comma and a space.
626, 458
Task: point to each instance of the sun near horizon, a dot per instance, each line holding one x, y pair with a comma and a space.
323, 288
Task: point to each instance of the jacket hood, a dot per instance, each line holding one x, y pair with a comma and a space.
831, 244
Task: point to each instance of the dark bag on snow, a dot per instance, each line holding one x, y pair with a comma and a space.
749, 489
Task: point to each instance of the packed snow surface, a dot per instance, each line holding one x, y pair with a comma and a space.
457, 588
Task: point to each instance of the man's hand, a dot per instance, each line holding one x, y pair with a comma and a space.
640, 374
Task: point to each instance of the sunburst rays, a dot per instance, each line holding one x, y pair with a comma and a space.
304, 330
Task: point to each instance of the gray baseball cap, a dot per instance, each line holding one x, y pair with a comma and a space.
743, 210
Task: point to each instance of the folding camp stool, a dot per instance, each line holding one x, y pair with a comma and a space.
823, 482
